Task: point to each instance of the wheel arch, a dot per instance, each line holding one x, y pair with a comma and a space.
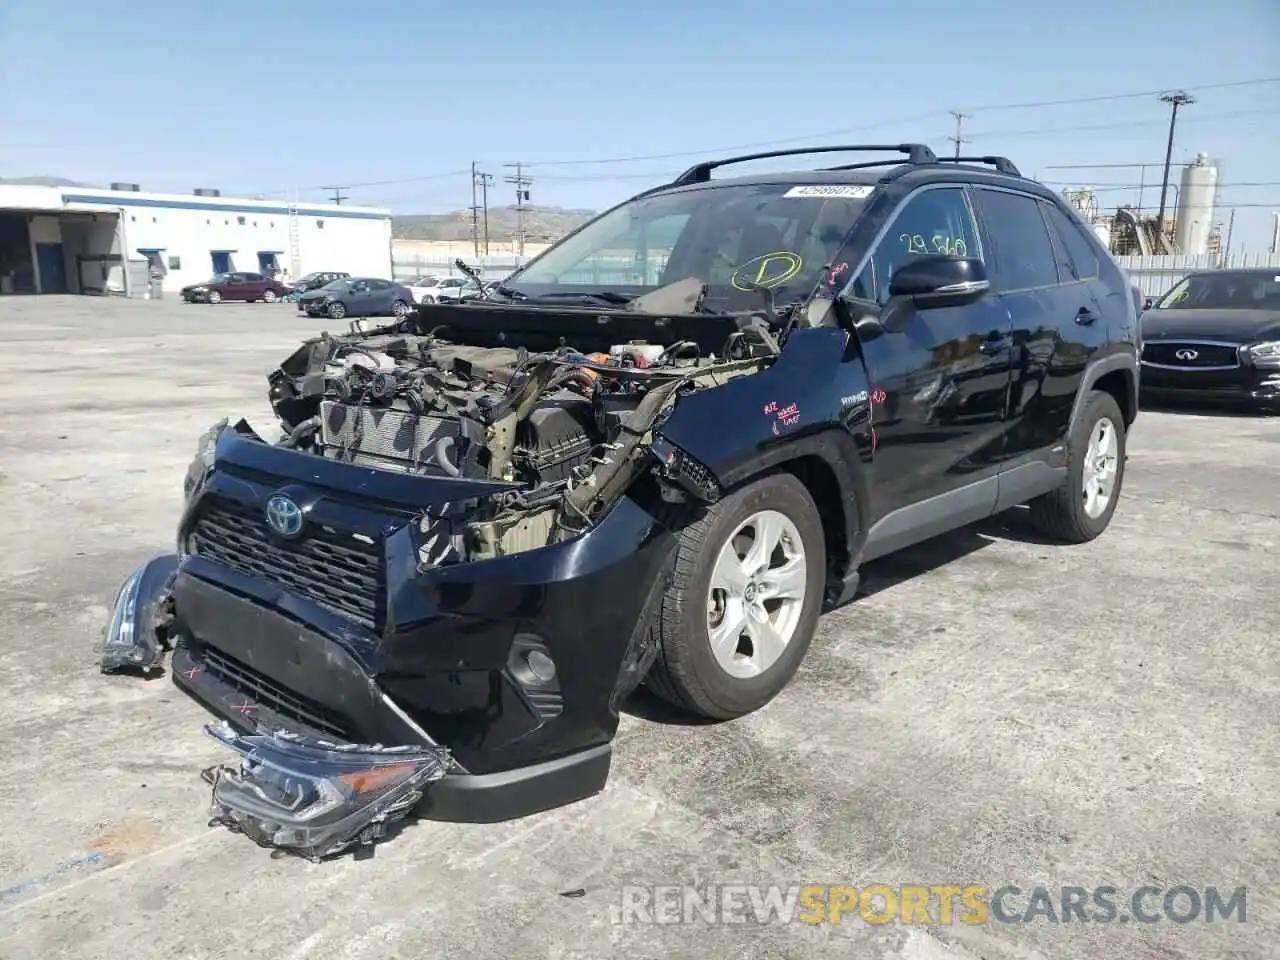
1116, 374
830, 468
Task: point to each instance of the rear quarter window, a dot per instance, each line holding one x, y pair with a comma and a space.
1021, 255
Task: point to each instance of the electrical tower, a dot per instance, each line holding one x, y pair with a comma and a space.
338, 195
1176, 99
522, 184
958, 139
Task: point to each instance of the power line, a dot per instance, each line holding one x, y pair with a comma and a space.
899, 121
338, 195
1125, 125
1078, 184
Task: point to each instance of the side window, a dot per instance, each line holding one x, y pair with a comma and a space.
1022, 255
379, 285
931, 223
1080, 252
253, 278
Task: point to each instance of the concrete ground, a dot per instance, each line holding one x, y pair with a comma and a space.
994, 711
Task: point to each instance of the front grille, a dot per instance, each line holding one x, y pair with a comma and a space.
1194, 355
334, 569
263, 690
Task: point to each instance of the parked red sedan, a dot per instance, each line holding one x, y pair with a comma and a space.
247, 287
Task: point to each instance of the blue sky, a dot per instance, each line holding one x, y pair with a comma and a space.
263, 98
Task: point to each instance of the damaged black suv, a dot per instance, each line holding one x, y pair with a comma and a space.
653, 454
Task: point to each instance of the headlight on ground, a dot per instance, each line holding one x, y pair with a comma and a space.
1265, 354
313, 798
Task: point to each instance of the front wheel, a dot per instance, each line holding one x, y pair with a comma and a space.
215, 296
399, 309
336, 311
744, 600
270, 296
1080, 509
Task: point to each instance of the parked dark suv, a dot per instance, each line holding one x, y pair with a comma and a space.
246, 287
652, 454
1215, 339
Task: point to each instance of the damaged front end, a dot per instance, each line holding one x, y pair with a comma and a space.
317, 799
452, 549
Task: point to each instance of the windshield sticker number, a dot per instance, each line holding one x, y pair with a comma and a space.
845, 191
768, 270
940, 244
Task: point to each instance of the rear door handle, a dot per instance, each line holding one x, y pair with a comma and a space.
990, 347
1085, 316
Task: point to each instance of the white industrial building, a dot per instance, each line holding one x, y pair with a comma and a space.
95, 241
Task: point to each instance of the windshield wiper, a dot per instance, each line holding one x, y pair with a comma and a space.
599, 296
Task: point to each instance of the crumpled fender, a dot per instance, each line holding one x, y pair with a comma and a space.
133, 638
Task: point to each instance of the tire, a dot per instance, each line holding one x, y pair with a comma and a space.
215, 296
270, 296
742, 678
1069, 514
336, 311
399, 309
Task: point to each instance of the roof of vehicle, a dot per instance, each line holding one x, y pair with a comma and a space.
920, 165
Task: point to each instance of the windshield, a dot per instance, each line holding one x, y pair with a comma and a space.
336, 285
1224, 291
731, 237
219, 278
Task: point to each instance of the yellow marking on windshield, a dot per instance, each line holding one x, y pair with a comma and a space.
771, 270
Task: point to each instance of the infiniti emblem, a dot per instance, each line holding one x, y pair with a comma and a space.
1187, 354
284, 516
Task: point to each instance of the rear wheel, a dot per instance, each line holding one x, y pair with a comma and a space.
336, 311
215, 296
744, 600
1080, 509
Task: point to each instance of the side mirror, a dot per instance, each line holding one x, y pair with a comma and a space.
1148, 303
936, 281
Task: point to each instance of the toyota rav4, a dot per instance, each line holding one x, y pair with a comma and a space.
653, 455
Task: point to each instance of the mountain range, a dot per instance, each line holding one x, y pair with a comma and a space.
540, 224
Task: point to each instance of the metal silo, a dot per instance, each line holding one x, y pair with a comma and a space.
1195, 205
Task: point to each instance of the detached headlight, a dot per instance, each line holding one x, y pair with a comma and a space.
202, 463
1265, 354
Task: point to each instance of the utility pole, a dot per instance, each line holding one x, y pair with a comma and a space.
338, 195
957, 139
522, 184
484, 181
1176, 99
475, 219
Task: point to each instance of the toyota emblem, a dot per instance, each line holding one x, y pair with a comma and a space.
284, 516
1187, 354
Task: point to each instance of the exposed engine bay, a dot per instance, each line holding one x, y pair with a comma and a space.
569, 425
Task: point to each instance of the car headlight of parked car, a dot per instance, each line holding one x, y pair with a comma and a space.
1266, 354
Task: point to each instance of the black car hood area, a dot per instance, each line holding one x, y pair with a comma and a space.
1232, 326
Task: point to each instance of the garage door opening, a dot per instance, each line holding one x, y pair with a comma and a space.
17, 268
221, 261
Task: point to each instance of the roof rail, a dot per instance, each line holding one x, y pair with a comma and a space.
1002, 164
916, 153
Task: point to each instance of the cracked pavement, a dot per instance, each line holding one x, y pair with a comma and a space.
991, 710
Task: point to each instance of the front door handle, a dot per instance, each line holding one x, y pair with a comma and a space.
991, 347
1085, 316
